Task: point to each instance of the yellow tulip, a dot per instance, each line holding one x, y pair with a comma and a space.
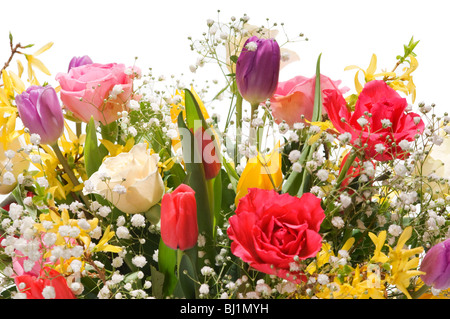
262, 172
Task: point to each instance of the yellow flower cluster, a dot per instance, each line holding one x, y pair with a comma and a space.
373, 279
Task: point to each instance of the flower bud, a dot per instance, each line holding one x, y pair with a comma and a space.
40, 111
79, 61
179, 228
257, 69
436, 265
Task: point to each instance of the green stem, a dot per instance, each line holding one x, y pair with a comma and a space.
69, 171
420, 292
253, 136
238, 127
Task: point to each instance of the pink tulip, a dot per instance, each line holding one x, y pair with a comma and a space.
98, 90
295, 97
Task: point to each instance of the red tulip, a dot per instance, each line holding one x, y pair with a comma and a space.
210, 160
179, 229
48, 277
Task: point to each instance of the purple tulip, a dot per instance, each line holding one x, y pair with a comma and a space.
79, 61
40, 112
436, 265
257, 69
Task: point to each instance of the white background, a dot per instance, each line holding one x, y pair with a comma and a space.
345, 32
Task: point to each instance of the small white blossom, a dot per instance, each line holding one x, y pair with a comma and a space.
48, 292
139, 261
138, 220
338, 222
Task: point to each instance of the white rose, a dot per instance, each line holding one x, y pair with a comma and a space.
137, 172
438, 163
19, 164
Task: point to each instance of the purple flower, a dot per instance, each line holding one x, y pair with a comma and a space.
257, 69
79, 61
436, 265
40, 112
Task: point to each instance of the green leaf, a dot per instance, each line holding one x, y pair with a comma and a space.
197, 181
299, 183
93, 154
188, 274
167, 261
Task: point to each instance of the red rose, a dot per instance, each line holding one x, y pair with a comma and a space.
379, 120
179, 228
271, 231
33, 286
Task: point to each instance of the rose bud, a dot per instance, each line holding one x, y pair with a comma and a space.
40, 111
257, 69
436, 265
179, 229
79, 61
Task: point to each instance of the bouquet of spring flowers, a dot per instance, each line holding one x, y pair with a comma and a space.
123, 185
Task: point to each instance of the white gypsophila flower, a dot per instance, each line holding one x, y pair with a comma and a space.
15, 211
405, 145
395, 230
345, 137
10, 154
117, 262
8, 178
35, 139
322, 174
323, 279
380, 148
132, 131
386, 123
35, 158
42, 181
122, 232
134, 105
119, 189
207, 271
297, 167
138, 220
48, 292
76, 265
117, 89
83, 224
362, 121
345, 200
338, 222
120, 221
400, 169
204, 289
294, 156
139, 261
49, 239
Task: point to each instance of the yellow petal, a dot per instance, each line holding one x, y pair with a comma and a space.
372, 66
37, 63
43, 49
18, 84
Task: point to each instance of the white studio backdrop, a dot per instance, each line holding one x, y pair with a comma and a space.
345, 32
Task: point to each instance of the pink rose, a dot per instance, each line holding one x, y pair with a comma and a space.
296, 97
98, 90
